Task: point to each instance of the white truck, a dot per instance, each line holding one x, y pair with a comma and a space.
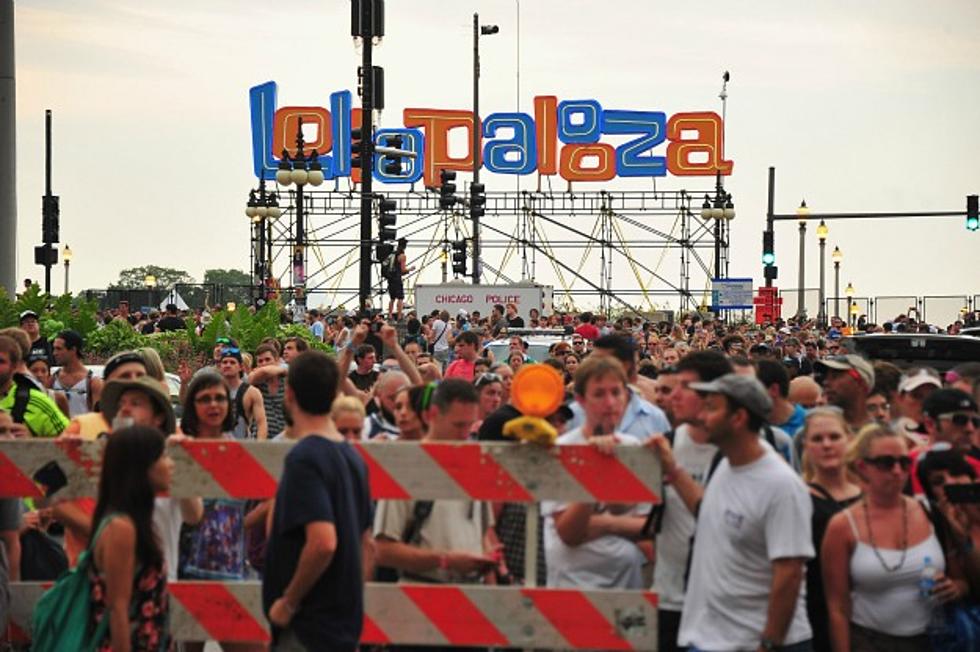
456, 296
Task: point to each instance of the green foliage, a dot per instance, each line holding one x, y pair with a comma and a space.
116, 336
55, 314
301, 331
134, 278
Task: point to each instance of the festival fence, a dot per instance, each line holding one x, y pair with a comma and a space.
409, 614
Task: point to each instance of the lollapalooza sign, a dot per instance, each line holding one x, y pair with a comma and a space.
562, 138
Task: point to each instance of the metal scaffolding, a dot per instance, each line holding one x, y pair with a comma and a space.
613, 247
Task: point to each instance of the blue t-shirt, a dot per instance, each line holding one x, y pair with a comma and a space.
795, 421
322, 480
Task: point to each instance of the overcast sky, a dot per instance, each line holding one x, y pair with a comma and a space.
860, 107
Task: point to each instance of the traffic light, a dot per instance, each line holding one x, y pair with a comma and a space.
972, 213
478, 200
392, 162
768, 248
386, 219
459, 257
50, 218
447, 189
356, 136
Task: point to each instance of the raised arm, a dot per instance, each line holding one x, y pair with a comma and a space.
390, 338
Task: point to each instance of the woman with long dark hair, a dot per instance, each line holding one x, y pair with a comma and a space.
128, 578
216, 548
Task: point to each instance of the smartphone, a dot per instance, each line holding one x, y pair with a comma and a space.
51, 478
963, 493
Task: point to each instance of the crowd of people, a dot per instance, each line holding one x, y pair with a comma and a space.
809, 496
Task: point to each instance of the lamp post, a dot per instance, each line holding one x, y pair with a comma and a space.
801, 214
262, 209
837, 257
822, 232
478, 30
151, 282
66, 255
849, 293
300, 169
721, 209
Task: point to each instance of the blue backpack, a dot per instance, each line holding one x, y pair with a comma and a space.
61, 617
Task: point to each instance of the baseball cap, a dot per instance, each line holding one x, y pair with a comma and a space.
747, 391
114, 389
231, 352
912, 381
944, 401
27, 313
848, 362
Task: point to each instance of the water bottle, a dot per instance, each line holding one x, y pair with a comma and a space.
927, 578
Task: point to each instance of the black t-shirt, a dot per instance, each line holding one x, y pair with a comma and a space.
322, 480
42, 347
515, 322
364, 382
171, 323
492, 428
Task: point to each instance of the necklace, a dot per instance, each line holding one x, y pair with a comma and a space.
905, 536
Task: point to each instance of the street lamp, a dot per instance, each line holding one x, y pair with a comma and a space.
478, 30
300, 169
801, 213
837, 257
720, 208
849, 293
66, 254
151, 282
822, 232
262, 209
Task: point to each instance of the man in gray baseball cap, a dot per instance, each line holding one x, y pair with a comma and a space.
753, 531
847, 381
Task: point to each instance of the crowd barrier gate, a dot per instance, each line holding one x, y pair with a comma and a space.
411, 614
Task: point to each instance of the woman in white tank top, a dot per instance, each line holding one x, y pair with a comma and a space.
874, 553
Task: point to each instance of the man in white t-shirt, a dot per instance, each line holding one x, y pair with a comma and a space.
694, 453
753, 531
440, 338
588, 545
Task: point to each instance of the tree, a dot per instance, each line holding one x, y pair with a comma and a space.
134, 278
235, 285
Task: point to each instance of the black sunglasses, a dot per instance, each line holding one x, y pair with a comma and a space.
888, 462
960, 420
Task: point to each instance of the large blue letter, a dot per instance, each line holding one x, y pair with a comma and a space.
411, 167
524, 144
340, 104
262, 103
589, 130
633, 158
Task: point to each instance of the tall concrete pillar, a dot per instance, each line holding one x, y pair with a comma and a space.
8, 151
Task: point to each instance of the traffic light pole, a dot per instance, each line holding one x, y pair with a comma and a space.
772, 217
49, 211
367, 156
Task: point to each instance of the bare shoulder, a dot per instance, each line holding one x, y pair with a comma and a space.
120, 530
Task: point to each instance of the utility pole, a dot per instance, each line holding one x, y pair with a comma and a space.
8, 151
368, 22
476, 144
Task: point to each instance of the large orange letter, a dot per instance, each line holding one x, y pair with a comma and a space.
709, 141
435, 124
286, 123
546, 126
574, 155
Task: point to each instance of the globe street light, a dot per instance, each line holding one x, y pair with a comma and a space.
822, 232
801, 213
151, 282
66, 254
849, 293
837, 257
262, 209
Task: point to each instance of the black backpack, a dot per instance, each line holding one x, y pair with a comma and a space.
240, 402
22, 396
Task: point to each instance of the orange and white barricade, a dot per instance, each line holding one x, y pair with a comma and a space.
420, 614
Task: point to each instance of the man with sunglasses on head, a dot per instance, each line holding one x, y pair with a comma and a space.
247, 402
951, 421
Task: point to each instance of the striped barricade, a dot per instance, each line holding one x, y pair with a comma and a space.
460, 615
498, 471
419, 614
